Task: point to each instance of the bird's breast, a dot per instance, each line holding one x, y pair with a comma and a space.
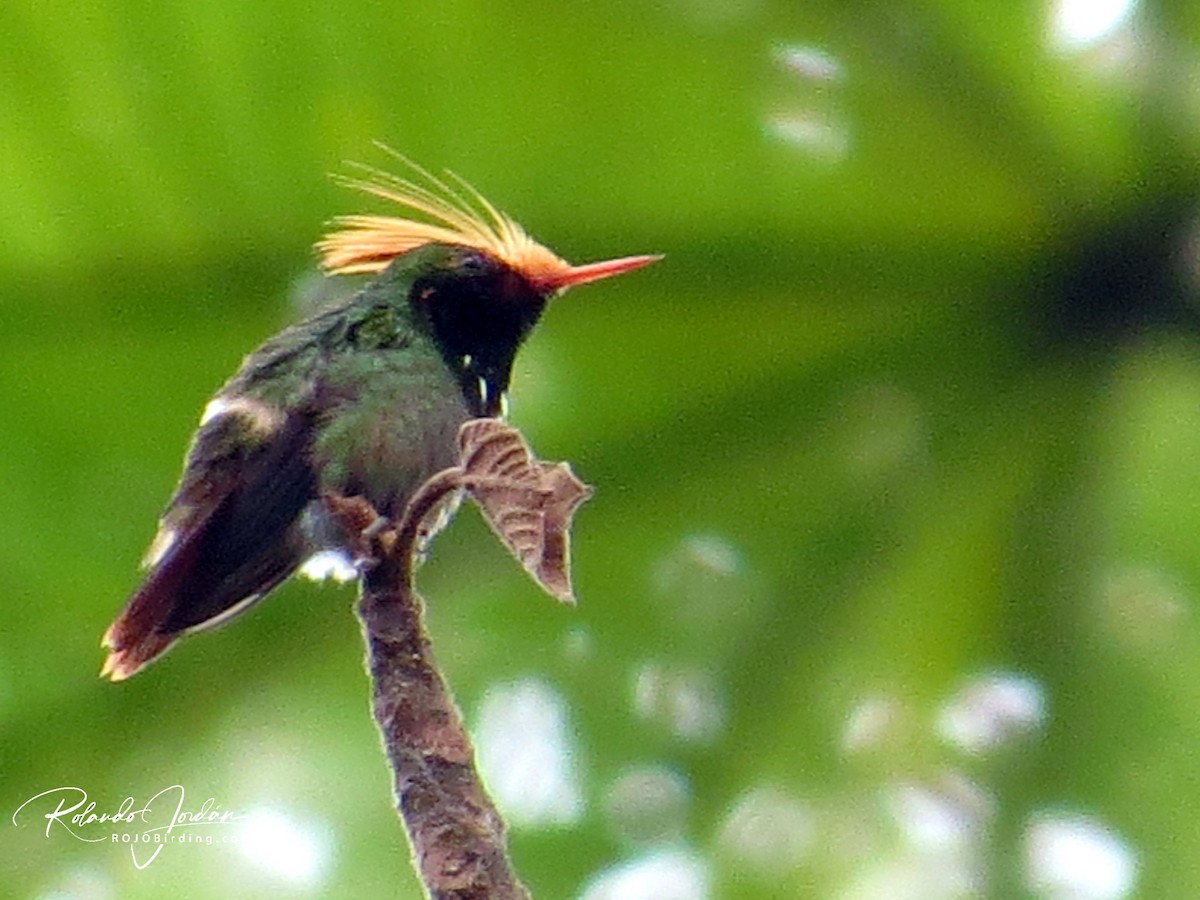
387, 428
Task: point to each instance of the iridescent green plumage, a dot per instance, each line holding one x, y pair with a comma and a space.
364, 399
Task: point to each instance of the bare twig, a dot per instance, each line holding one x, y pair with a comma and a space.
457, 836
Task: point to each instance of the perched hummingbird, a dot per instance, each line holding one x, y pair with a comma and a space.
363, 399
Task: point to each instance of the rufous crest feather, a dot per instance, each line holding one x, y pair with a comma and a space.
451, 211
447, 211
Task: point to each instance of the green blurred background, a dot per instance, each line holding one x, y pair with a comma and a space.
887, 587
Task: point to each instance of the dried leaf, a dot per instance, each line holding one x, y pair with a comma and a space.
528, 503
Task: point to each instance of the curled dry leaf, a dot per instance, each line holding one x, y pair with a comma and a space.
528, 503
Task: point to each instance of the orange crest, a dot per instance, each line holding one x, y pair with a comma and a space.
448, 212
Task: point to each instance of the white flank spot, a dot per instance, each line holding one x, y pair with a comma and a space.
329, 564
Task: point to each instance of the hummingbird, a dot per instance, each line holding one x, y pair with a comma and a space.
363, 399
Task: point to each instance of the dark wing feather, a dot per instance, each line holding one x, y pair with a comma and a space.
234, 534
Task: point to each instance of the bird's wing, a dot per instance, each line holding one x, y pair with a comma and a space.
230, 533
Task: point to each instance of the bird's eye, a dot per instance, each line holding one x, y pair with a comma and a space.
472, 263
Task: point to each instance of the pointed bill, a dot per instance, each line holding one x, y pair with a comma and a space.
573, 276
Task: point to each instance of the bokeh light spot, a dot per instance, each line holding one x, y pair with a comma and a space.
685, 701
648, 804
1078, 24
663, 875
809, 62
1074, 857
768, 832
1142, 608
809, 119
814, 134
992, 710
871, 723
526, 754
80, 884
940, 816
706, 582
292, 851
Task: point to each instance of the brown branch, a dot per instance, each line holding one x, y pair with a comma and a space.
456, 834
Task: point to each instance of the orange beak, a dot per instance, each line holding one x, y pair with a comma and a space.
571, 276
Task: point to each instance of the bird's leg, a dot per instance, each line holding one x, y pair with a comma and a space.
363, 528
376, 528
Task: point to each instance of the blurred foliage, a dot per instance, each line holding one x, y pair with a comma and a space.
913, 401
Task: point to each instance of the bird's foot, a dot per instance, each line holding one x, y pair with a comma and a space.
363, 528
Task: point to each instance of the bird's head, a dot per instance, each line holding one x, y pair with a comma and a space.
474, 274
